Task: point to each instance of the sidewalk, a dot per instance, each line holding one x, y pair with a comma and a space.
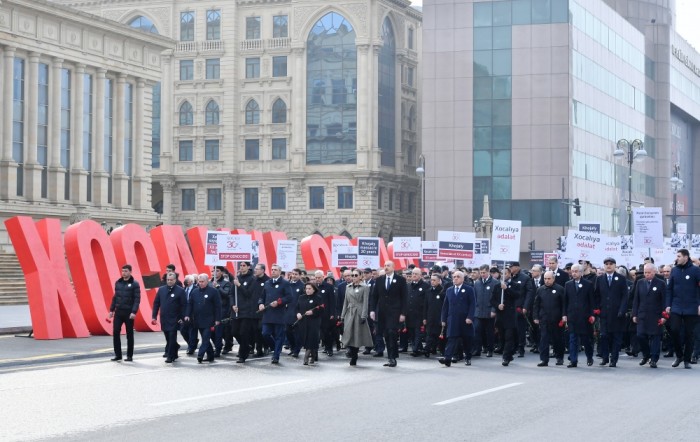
17, 349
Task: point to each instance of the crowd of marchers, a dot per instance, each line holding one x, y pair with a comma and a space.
456, 314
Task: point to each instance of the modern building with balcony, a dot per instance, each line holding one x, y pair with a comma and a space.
300, 116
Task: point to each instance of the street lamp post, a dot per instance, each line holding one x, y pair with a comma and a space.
676, 185
634, 151
420, 170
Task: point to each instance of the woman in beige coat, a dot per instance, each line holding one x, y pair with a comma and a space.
356, 331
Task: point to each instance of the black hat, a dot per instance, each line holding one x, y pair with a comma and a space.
436, 269
609, 259
367, 270
568, 265
495, 270
514, 264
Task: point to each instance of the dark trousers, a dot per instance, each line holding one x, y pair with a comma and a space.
292, 340
415, 337
485, 330
575, 342
218, 338
522, 331
433, 343
378, 338
610, 343
454, 341
171, 345
509, 338
327, 334
274, 336
205, 334
534, 330
228, 335
189, 334
244, 330
652, 351
551, 332
684, 349
121, 317
392, 347
260, 342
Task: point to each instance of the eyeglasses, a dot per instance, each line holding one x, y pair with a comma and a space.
355, 275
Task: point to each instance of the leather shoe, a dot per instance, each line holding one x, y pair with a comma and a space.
687, 365
168, 361
560, 362
240, 361
676, 363
128, 359
116, 359
572, 365
210, 360
668, 355
165, 355
613, 364
603, 362
378, 355
190, 352
414, 354
589, 362
468, 363
199, 360
391, 363
694, 360
367, 352
445, 362
543, 364
652, 364
505, 362
521, 354
489, 354
275, 361
643, 361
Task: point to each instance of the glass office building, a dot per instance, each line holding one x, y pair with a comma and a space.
524, 101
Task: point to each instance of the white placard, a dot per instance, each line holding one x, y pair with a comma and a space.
211, 254
682, 228
585, 246
234, 247
407, 247
287, 254
429, 251
648, 227
505, 241
455, 245
345, 256
368, 253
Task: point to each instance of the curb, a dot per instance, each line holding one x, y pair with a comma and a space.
72, 357
15, 330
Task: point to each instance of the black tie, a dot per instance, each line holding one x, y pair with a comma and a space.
609, 280
388, 283
648, 285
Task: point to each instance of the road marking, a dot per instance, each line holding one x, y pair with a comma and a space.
478, 393
224, 393
143, 372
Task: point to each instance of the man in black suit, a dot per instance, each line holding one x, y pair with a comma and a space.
171, 300
560, 276
388, 304
204, 308
611, 295
579, 315
648, 314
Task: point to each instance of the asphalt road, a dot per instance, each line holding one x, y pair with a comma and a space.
418, 400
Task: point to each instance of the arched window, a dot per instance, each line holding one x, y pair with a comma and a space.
252, 112
186, 114
387, 95
143, 24
186, 26
279, 111
331, 109
211, 114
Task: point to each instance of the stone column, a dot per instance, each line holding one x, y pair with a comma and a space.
373, 114
32, 170
166, 113
8, 168
78, 173
141, 181
229, 194
57, 174
119, 178
99, 175
167, 186
363, 119
297, 148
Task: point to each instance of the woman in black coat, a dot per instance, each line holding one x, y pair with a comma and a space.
309, 308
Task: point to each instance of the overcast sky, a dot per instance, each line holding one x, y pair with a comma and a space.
687, 15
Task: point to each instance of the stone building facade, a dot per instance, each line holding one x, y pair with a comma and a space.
299, 116
76, 115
